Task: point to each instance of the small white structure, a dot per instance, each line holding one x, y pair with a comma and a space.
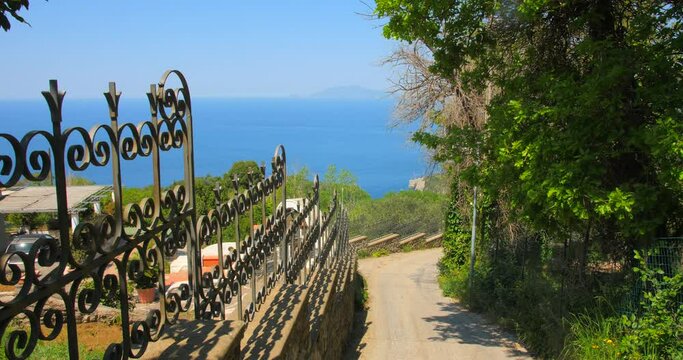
180, 262
418, 184
209, 257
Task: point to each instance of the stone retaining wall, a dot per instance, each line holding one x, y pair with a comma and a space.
299, 322
306, 322
394, 243
412, 239
336, 322
383, 242
359, 242
434, 241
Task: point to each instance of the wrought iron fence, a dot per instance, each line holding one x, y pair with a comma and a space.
95, 261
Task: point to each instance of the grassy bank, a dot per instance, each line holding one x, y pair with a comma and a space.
93, 340
404, 212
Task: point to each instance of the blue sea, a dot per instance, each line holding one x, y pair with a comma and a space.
350, 134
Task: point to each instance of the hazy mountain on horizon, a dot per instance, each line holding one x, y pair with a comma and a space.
350, 92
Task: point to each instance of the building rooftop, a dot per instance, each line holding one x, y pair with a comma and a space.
43, 199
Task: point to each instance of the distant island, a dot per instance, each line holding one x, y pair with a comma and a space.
350, 92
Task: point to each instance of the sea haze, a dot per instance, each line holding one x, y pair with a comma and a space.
351, 134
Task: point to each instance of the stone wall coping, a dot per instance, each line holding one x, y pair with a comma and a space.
411, 238
357, 239
198, 339
383, 239
434, 237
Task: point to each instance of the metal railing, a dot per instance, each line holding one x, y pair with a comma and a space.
136, 240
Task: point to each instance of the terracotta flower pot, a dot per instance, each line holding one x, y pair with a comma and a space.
147, 296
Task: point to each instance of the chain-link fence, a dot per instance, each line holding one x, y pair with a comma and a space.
665, 254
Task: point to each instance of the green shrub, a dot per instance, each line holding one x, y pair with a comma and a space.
653, 332
526, 304
456, 237
593, 337
361, 293
147, 279
113, 301
407, 248
658, 329
454, 284
380, 253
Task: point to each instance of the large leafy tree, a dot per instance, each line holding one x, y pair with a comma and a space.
10, 9
584, 129
243, 170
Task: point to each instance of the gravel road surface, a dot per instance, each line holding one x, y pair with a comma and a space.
409, 318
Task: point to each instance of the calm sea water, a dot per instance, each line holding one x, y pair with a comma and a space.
351, 134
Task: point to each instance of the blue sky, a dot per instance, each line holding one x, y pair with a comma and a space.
225, 48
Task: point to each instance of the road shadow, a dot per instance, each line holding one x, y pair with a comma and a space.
355, 344
469, 328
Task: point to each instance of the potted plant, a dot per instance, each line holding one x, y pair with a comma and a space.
145, 284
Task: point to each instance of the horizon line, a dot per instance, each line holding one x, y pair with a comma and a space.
220, 97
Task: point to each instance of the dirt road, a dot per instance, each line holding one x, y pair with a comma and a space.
409, 318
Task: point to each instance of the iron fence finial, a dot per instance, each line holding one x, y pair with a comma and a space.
113, 97
54, 99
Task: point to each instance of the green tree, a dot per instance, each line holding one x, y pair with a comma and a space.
345, 184
584, 128
579, 154
299, 183
241, 170
30, 221
11, 8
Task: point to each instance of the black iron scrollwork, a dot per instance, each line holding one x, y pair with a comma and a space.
94, 262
